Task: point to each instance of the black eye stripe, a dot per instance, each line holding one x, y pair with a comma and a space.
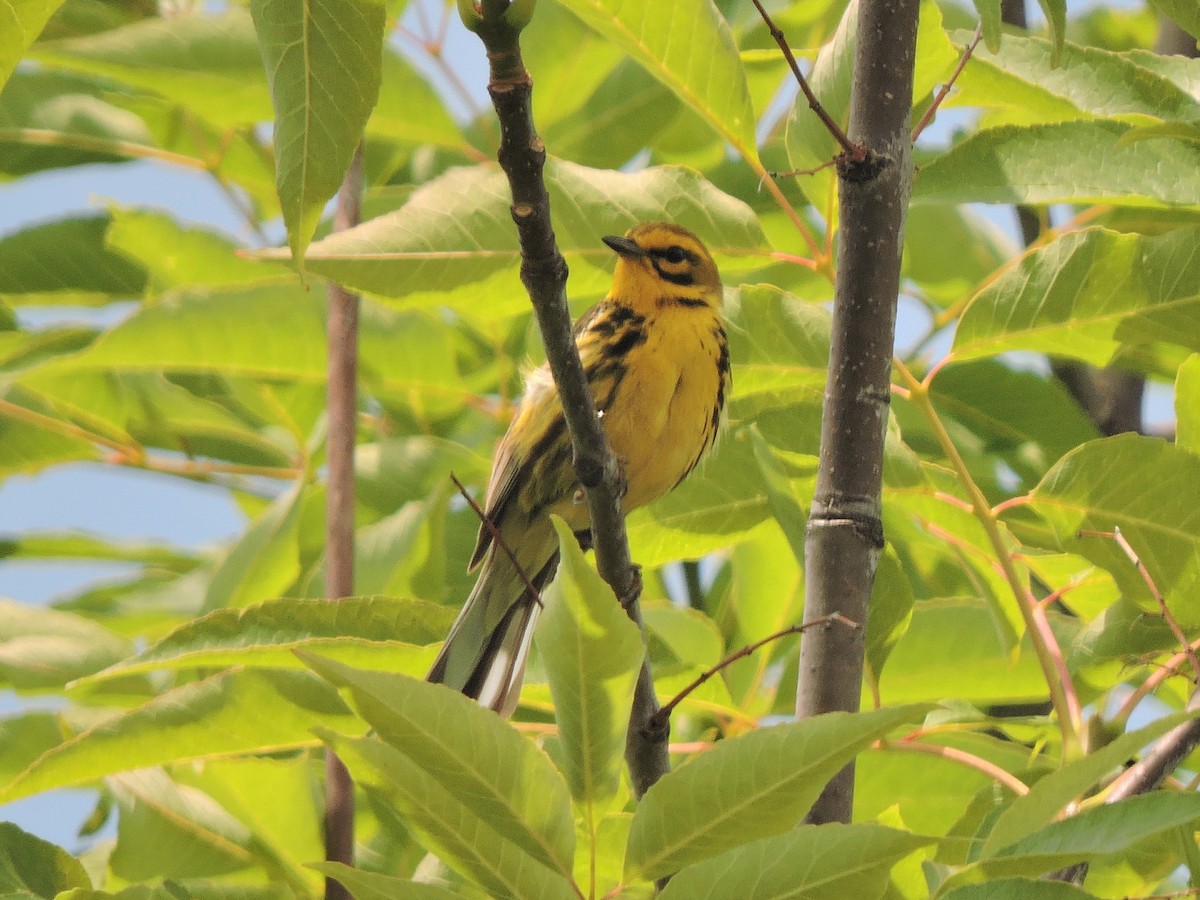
675, 255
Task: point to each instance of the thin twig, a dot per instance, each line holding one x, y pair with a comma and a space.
1131, 554
792, 173
993, 771
814, 104
1059, 683
945, 89
498, 539
341, 402
665, 713
1153, 680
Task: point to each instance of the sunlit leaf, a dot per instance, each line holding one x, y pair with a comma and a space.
592, 653
323, 65
747, 787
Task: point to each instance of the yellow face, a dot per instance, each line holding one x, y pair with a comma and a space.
667, 259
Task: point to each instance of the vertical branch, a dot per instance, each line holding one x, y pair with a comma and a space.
522, 156
342, 414
845, 531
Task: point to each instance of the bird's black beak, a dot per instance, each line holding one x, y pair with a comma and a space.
624, 246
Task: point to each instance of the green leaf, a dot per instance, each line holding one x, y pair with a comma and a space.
43, 648
208, 64
31, 867
766, 595
68, 254
831, 861
688, 635
26, 447
456, 231
1050, 794
280, 800
779, 347
1018, 889
451, 825
234, 332
375, 632
718, 505
1023, 79
323, 62
34, 545
377, 886
173, 255
1031, 417
593, 654
1056, 15
1086, 294
990, 19
1132, 483
409, 110
470, 753
175, 831
950, 250
1187, 404
891, 611
755, 785
264, 561
25, 737
52, 119
922, 667
402, 554
1183, 13
227, 714
689, 47
783, 501
630, 95
1096, 831
21, 21
1065, 162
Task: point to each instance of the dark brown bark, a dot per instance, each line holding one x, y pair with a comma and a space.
544, 274
845, 533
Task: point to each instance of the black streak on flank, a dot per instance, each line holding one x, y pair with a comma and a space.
633, 337
606, 323
722, 373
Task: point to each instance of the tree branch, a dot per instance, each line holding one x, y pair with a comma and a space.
845, 532
522, 156
342, 413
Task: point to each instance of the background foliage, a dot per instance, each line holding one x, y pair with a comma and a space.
194, 696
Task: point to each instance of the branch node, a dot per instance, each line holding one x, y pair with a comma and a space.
861, 166
868, 527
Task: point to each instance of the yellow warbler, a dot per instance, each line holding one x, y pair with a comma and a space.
657, 361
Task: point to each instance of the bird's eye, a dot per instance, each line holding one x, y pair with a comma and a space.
675, 255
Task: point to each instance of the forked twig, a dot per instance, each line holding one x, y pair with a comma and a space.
664, 714
792, 173
1119, 539
498, 538
945, 88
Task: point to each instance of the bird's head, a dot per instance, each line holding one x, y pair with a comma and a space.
661, 264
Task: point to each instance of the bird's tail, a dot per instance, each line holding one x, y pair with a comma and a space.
484, 655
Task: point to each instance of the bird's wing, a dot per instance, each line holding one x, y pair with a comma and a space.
537, 428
